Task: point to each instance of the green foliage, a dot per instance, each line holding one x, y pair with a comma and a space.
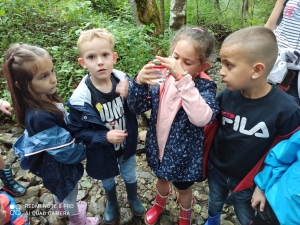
56, 25
229, 18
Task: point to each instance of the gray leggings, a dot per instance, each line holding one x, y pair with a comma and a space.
70, 203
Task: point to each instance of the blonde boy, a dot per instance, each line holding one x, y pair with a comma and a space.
99, 117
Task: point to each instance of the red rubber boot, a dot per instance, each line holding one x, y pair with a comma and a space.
185, 216
159, 206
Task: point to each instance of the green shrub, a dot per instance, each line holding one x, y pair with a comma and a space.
56, 25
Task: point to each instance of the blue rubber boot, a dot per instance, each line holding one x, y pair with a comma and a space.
110, 212
134, 202
215, 220
9, 185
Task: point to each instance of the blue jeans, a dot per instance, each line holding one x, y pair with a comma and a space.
127, 171
219, 187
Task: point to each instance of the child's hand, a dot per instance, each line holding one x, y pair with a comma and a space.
147, 74
258, 198
116, 136
5, 107
122, 87
172, 65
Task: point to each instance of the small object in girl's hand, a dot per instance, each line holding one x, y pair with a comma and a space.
125, 131
156, 63
161, 72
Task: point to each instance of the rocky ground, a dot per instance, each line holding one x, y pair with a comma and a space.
38, 203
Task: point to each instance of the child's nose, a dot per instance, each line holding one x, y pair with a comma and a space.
53, 78
100, 62
222, 73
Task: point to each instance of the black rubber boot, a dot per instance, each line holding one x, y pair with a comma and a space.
135, 203
110, 212
9, 184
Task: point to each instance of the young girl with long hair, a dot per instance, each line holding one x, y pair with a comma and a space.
181, 107
46, 147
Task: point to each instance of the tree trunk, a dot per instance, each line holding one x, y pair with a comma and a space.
177, 14
162, 14
134, 11
217, 5
148, 13
244, 10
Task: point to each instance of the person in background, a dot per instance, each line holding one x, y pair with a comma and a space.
285, 22
8, 183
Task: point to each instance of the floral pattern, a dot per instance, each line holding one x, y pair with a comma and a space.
183, 155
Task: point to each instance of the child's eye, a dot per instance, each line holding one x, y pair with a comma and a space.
91, 57
105, 54
44, 77
188, 64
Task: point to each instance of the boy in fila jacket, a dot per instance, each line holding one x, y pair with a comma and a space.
253, 114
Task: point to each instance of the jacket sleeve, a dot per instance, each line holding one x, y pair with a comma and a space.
139, 97
83, 131
278, 160
56, 141
195, 103
70, 154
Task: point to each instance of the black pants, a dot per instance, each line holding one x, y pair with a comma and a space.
181, 185
267, 217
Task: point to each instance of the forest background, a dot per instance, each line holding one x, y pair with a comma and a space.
142, 28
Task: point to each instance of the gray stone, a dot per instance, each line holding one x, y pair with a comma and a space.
11, 156
53, 219
145, 175
147, 114
47, 198
125, 215
97, 208
7, 138
142, 135
82, 194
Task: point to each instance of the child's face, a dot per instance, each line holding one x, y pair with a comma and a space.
98, 57
44, 80
236, 72
185, 53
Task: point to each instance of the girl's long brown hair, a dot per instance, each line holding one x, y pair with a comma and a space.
20, 66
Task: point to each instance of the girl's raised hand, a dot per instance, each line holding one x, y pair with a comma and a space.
172, 65
147, 74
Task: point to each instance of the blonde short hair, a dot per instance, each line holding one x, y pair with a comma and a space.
88, 35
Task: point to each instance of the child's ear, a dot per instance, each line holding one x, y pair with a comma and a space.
258, 70
81, 62
115, 57
205, 66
